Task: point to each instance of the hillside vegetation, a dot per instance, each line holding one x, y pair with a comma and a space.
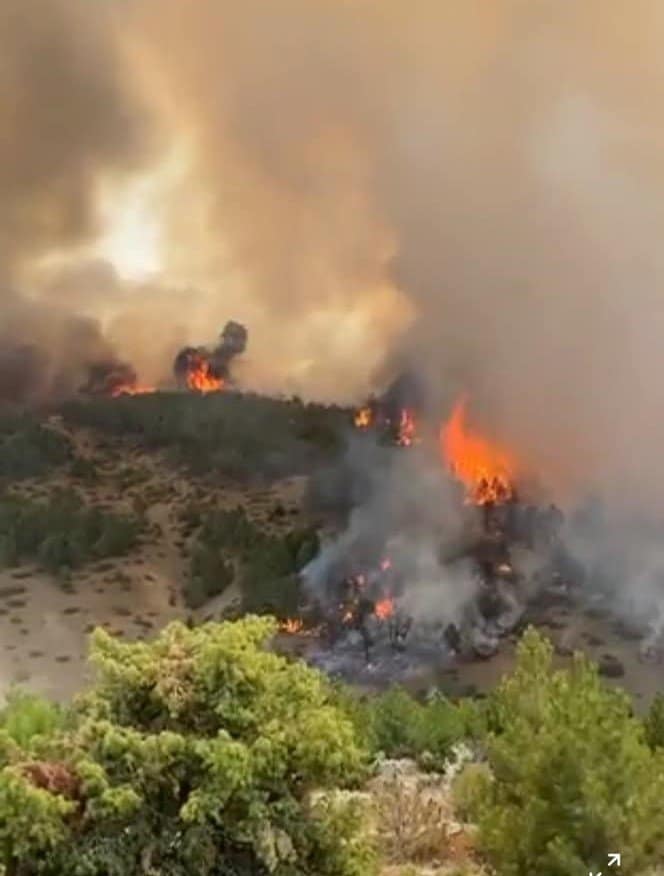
205, 752
237, 435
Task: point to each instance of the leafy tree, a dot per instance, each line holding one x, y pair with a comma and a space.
195, 753
573, 778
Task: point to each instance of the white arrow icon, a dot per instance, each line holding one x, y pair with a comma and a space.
614, 859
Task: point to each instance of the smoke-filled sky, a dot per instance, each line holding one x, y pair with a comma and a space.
478, 185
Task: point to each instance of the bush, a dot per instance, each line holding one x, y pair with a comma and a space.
62, 533
413, 816
397, 725
267, 565
27, 715
210, 576
573, 776
654, 723
471, 788
29, 449
195, 753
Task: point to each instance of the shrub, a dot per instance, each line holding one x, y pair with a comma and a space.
413, 817
573, 776
266, 565
27, 715
61, 533
400, 726
195, 753
29, 449
470, 790
654, 723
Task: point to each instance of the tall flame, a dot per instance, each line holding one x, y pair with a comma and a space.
486, 469
200, 377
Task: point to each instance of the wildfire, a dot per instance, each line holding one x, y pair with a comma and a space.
291, 625
486, 469
200, 377
131, 389
384, 608
407, 429
363, 417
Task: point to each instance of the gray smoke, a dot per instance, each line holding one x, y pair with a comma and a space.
407, 512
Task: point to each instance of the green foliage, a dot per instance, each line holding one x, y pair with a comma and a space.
29, 449
195, 753
266, 564
398, 725
470, 790
573, 776
239, 435
62, 533
211, 574
27, 715
654, 723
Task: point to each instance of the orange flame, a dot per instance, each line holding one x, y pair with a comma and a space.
486, 469
407, 428
200, 378
363, 418
384, 608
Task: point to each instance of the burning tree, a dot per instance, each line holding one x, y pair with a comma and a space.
202, 370
113, 377
396, 412
486, 469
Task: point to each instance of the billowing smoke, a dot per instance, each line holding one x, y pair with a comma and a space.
491, 170
475, 188
70, 119
406, 511
48, 353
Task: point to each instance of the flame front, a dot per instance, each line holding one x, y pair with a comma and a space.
486, 469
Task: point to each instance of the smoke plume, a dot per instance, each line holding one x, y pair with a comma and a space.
473, 188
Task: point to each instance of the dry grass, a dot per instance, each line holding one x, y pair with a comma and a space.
415, 825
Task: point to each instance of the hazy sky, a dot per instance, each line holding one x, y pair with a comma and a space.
477, 183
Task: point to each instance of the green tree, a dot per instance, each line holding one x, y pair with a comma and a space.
195, 753
573, 777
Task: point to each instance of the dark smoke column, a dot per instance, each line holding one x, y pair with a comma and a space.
198, 368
